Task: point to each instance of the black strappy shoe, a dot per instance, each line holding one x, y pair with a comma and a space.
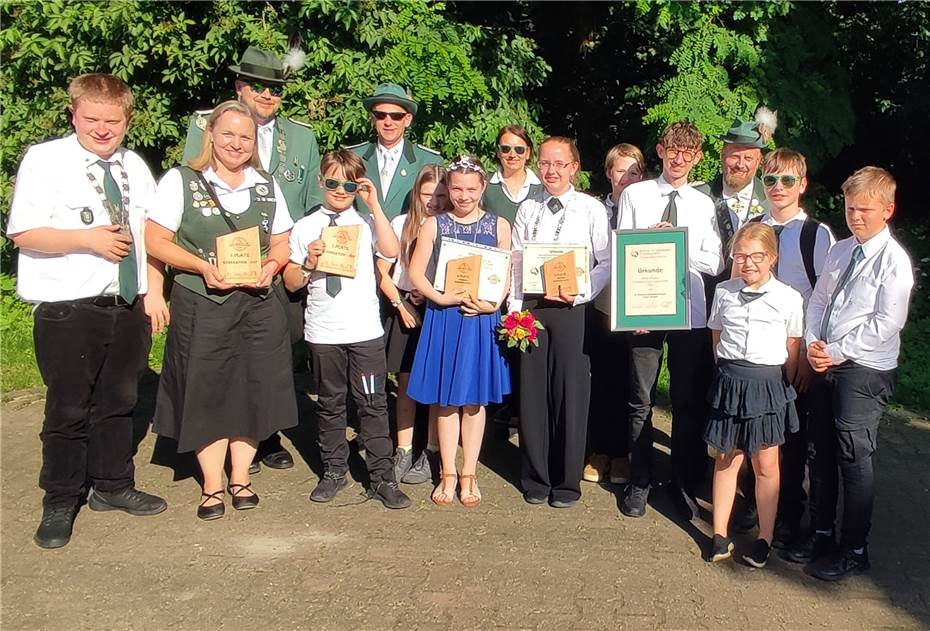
239, 501
214, 511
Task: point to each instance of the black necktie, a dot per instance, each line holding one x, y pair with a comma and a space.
778, 230
671, 209
554, 205
333, 282
746, 296
128, 277
614, 214
857, 255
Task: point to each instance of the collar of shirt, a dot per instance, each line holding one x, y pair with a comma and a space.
665, 188
89, 157
394, 151
267, 128
745, 193
497, 177
761, 289
874, 245
769, 220
565, 197
348, 212
251, 179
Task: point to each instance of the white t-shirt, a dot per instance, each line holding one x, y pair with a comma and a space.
53, 190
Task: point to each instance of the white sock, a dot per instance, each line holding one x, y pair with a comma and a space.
405, 447
433, 448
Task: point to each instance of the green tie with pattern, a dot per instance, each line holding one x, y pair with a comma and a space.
333, 282
128, 277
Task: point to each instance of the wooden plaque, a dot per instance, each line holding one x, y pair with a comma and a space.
341, 254
239, 256
559, 276
464, 273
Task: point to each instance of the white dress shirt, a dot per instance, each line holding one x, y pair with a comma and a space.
756, 330
353, 315
52, 191
642, 205
740, 202
583, 220
870, 309
399, 276
791, 268
265, 138
388, 159
529, 180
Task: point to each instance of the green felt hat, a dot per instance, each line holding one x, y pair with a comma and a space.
744, 133
257, 63
391, 93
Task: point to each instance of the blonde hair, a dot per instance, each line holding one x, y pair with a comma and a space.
757, 231
205, 158
569, 142
625, 150
783, 159
871, 181
98, 87
417, 212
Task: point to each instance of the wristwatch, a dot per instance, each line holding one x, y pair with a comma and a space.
396, 303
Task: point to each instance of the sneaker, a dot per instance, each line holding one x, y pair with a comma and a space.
596, 469
839, 565
634, 502
759, 554
54, 530
620, 471
403, 460
814, 547
389, 494
721, 549
327, 488
129, 500
420, 472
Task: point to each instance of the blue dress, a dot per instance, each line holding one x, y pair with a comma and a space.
458, 359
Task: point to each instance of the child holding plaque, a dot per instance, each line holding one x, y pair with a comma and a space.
458, 367
343, 324
756, 323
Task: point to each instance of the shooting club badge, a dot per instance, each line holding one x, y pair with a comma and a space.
261, 189
87, 216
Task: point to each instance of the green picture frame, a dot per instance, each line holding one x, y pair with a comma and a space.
653, 293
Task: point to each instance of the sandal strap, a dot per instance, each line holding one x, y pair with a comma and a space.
218, 495
236, 489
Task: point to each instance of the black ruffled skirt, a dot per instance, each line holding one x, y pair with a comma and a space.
752, 407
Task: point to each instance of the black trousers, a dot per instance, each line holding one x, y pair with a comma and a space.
608, 422
847, 405
344, 368
554, 393
690, 366
91, 359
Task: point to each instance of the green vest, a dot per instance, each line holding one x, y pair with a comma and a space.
295, 160
397, 199
202, 223
495, 200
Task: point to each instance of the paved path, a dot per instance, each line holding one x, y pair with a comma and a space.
504, 564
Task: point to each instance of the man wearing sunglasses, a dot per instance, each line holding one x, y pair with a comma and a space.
392, 162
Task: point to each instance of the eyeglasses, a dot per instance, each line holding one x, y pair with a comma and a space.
755, 257
518, 149
395, 116
259, 87
688, 156
768, 181
558, 166
332, 184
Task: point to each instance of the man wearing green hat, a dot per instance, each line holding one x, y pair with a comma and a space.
392, 162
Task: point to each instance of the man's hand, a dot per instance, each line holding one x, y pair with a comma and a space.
568, 299
108, 242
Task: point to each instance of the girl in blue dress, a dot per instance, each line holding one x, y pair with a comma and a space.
458, 367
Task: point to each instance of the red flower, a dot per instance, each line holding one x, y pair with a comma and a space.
531, 336
527, 321
511, 322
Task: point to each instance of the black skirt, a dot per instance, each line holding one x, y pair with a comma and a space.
752, 407
227, 370
400, 343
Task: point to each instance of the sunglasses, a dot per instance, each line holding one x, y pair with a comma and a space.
395, 116
259, 87
332, 184
768, 181
755, 257
518, 149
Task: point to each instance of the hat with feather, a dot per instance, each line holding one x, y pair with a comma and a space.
754, 133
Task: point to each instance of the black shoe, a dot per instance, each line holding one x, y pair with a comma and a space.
745, 520
389, 494
810, 549
839, 565
786, 535
329, 485
530, 498
129, 500
759, 554
255, 467
634, 502
685, 504
563, 503
279, 460
213, 511
240, 501
403, 460
420, 471
720, 549
54, 530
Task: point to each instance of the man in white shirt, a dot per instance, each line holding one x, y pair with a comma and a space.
82, 262
665, 202
853, 326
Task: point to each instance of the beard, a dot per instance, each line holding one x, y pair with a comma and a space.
737, 181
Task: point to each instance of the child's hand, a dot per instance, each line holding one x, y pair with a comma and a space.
408, 315
818, 357
451, 298
473, 306
316, 248
368, 193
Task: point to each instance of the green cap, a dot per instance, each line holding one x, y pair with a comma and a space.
257, 63
391, 93
744, 133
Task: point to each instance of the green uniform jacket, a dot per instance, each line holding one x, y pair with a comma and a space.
295, 160
413, 158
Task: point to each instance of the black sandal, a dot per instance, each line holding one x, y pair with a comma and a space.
214, 511
240, 502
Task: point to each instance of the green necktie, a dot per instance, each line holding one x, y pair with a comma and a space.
671, 209
333, 282
857, 255
128, 277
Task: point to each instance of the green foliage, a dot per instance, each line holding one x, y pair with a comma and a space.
17, 363
913, 387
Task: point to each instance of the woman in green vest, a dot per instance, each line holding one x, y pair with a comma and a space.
226, 379
513, 182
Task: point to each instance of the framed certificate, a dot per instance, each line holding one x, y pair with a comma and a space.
495, 266
649, 282
535, 256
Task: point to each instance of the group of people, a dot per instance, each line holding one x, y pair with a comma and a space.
793, 337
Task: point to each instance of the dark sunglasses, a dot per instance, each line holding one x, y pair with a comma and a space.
505, 149
259, 87
333, 184
395, 116
768, 181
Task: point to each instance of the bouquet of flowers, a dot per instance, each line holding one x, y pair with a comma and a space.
519, 329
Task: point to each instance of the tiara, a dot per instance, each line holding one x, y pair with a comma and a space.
465, 163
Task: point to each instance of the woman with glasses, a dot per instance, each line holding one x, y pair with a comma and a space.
513, 181
226, 381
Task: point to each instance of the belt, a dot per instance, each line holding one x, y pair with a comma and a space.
114, 300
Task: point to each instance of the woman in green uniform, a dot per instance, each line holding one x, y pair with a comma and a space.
513, 181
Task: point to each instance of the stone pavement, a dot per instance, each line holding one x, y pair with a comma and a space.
352, 564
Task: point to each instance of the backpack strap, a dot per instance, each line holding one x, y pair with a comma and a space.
808, 242
724, 223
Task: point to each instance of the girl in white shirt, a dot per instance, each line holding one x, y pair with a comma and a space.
757, 323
